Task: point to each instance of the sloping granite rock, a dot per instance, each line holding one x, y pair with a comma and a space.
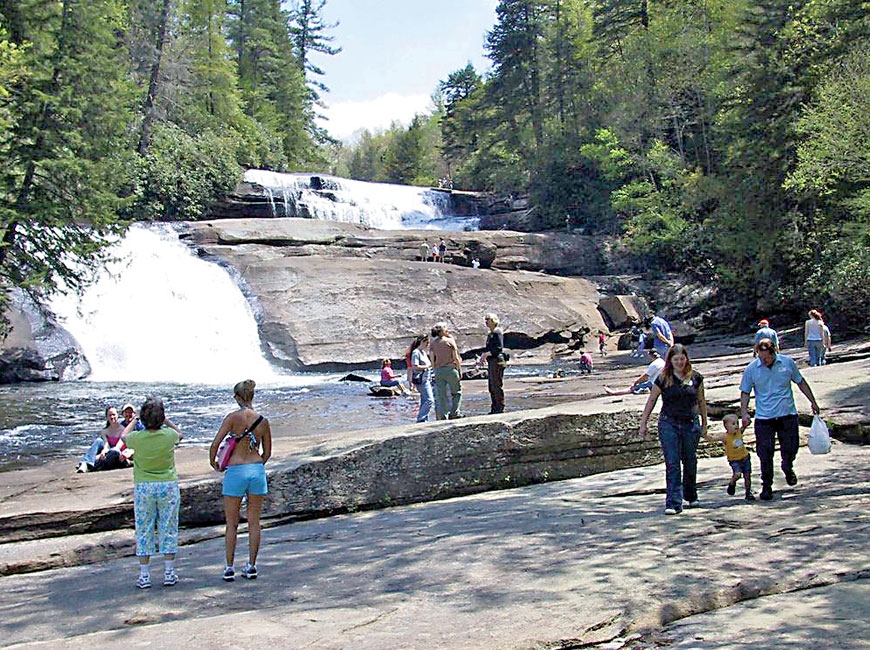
334, 296
37, 348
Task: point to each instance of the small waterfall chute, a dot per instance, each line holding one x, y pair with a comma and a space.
158, 313
384, 206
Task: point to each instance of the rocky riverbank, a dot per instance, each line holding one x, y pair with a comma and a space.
545, 563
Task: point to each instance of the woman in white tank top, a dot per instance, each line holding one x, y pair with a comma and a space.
814, 336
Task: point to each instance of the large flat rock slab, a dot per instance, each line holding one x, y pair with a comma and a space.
330, 295
556, 565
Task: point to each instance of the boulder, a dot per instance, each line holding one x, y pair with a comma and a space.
623, 311
37, 348
384, 391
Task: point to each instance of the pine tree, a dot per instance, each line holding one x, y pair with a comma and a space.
309, 34
68, 158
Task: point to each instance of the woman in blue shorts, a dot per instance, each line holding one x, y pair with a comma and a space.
245, 474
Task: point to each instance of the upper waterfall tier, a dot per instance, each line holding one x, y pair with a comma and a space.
377, 205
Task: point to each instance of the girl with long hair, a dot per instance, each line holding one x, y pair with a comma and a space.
682, 422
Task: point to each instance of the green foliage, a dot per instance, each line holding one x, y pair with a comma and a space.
183, 173
112, 110
67, 154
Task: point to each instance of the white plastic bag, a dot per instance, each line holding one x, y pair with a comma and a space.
819, 441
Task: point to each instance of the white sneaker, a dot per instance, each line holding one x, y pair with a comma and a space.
671, 511
144, 582
82, 468
170, 579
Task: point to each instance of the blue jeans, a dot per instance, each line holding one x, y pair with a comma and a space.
91, 454
112, 459
427, 398
644, 384
448, 392
679, 440
816, 350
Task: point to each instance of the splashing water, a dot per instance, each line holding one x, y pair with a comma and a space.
159, 313
378, 205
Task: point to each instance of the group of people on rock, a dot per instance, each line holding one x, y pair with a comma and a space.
152, 438
434, 254
683, 418
108, 450
435, 370
148, 441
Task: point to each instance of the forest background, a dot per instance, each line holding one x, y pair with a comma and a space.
723, 139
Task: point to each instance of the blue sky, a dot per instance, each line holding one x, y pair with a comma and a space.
394, 54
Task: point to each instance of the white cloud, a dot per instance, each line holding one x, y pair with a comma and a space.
346, 118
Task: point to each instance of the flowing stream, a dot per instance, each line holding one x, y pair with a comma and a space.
160, 320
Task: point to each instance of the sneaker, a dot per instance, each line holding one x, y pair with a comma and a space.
455, 416
790, 477
229, 574
692, 504
766, 494
250, 571
642, 391
730, 489
750, 496
170, 579
144, 582
672, 511
82, 468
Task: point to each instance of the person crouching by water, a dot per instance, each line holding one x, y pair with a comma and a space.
107, 450
447, 365
389, 378
245, 474
156, 497
421, 376
495, 363
682, 422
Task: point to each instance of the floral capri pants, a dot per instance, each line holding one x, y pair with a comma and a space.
155, 505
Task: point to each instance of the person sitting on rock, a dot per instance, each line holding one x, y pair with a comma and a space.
645, 382
389, 378
105, 452
586, 363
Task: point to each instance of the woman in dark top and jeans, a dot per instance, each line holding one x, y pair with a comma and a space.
682, 422
493, 355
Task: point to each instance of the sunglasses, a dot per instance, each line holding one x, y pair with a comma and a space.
765, 348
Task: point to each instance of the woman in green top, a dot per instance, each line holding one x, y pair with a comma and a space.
156, 497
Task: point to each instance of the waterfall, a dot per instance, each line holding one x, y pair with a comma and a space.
377, 205
159, 313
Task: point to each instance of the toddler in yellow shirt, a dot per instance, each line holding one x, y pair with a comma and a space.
737, 454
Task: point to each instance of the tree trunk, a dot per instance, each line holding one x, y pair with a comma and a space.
154, 81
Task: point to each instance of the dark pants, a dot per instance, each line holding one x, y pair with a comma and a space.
766, 431
495, 374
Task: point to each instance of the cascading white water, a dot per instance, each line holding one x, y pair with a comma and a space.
159, 313
378, 205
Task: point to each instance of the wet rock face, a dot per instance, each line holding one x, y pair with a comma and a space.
37, 348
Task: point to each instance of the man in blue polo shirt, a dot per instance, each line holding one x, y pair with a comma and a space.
771, 375
663, 336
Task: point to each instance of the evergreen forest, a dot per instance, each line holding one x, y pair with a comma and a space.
725, 139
